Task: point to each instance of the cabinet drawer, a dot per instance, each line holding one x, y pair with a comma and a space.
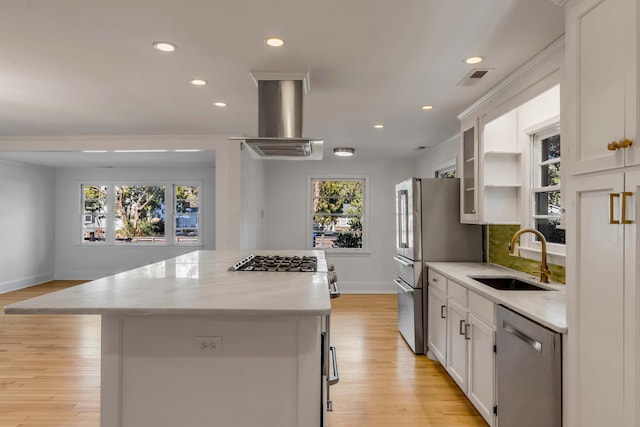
482, 307
438, 281
457, 292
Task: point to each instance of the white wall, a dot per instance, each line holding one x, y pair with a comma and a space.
227, 171
436, 157
253, 193
286, 209
26, 225
75, 261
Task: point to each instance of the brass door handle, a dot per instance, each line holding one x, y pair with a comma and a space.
473, 211
624, 208
625, 143
612, 197
613, 146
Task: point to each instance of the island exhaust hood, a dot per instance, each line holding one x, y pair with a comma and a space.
280, 119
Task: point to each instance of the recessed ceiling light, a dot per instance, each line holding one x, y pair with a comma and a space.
427, 107
164, 46
198, 82
220, 104
274, 41
473, 60
140, 151
378, 126
343, 151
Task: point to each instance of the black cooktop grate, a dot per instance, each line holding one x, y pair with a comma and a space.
277, 263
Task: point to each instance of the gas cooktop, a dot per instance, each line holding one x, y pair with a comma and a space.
277, 263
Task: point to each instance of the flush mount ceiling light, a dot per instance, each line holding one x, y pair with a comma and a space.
274, 41
343, 151
164, 46
427, 107
198, 82
473, 60
220, 104
378, 126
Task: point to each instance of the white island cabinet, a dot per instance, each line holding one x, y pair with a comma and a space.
185, 342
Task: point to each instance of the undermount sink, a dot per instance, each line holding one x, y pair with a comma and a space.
506, 283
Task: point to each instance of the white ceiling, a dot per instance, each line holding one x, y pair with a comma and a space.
78, 67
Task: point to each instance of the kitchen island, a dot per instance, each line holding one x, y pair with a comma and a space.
187, 342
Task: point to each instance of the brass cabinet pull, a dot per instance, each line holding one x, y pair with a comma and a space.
473, 211
612, 196
625, 143
624, 220
613, 146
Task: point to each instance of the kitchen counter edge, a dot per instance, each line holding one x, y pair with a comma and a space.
545, 307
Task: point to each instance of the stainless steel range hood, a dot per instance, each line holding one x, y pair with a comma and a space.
280, 119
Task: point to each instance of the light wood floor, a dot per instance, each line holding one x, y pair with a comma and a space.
50, 370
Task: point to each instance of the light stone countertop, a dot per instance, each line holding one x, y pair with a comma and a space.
197, 283
545, 307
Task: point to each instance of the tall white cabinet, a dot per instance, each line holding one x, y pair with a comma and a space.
600, 96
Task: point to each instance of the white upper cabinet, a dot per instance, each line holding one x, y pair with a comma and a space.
469, 172
601, 88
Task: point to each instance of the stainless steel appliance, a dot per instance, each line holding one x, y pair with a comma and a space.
304, 264
528, 372
293, 264
428, 228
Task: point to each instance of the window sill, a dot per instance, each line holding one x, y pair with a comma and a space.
535, 254
344, 252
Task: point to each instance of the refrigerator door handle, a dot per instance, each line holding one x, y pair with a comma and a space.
403, 218
403, 262
405, 288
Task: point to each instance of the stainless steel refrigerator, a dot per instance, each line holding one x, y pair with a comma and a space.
428, 228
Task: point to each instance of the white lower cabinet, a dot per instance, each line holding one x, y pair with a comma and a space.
462, 337
437, 325
457, 355
481, 385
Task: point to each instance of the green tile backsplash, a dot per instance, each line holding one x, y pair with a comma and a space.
499, 238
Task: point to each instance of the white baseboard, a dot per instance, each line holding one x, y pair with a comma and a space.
367, 287
83, 275
14, 285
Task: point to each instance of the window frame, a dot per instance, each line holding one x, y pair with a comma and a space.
451, 166
530, 247
365, 213
169, 214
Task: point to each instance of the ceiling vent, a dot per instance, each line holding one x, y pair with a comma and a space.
280, 119
474, 76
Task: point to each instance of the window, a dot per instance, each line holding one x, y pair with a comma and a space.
117, 214
187, 212
139, 214
448, 171
338, 213
545, 187
94, 209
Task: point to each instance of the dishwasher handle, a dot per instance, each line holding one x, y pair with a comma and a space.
535, 344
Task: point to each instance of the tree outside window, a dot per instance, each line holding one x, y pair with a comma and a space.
140, 213
337, 210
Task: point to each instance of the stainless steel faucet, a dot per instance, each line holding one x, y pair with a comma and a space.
544, 268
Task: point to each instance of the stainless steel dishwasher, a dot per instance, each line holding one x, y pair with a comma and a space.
528, 372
